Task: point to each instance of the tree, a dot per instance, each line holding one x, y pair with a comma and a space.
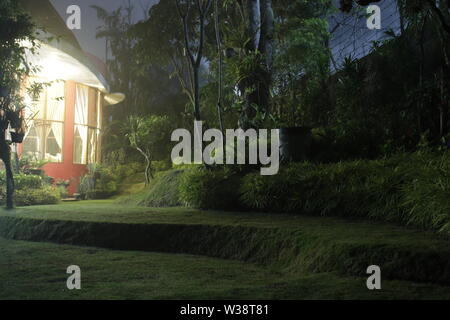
256, 85
301, 62
16, 27
149, 136
137, 68
193, 48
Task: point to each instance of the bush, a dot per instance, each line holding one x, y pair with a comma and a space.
162, 165
99, 183
44, 195
210, 188
30, 190
409, 189
23, 181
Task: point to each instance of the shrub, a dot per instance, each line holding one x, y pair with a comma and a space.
162, 165
23, 181
30, 190
99, 183
163, 190
210, 188
409, 189
44, 195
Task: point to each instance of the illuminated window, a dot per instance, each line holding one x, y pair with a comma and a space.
81, 122
44, 139
86, 135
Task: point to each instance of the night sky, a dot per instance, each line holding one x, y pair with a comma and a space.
90, 23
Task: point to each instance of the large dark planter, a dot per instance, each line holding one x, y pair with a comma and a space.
295, 144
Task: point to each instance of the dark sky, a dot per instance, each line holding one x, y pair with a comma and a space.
90, 23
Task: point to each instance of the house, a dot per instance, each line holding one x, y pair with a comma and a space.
349, 35
65, 120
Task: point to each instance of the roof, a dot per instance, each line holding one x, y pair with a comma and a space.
65, 51
45, 16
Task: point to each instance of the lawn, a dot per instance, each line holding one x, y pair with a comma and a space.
38, 271
196, 254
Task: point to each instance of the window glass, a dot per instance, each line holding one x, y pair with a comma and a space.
92, 140
81, 122
31, 144
55, 102
54, 142
93, 108
80, 144
45, 118
81, 105
87, 115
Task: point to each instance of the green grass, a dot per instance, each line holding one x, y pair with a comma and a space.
292, 244
38, 271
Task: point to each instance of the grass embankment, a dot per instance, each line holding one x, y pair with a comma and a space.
407, 189
38, 271
291, 244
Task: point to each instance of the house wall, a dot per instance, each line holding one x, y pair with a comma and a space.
350, 36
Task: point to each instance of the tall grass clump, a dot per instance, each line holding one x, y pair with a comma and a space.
162, 191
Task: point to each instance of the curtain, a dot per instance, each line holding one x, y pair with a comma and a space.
81, 105
92, 146
81, 119
58, 133
55, 102
55, 112
80, 149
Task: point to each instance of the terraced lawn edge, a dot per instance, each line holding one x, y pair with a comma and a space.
283, 249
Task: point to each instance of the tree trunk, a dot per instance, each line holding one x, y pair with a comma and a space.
219, 68
254, 23
257, 86
5, 154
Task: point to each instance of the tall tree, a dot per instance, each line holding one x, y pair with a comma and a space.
193, 48
15, 28
255, 86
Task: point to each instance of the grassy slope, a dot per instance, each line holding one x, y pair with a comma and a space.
294, 244
162, 191
37, 271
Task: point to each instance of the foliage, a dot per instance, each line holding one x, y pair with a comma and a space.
162, 191
212, 188
99, 183
136, 69
31, 162
16, 37
302, 60
31, 190
16, 28
149, 136
407, 189
45, 195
